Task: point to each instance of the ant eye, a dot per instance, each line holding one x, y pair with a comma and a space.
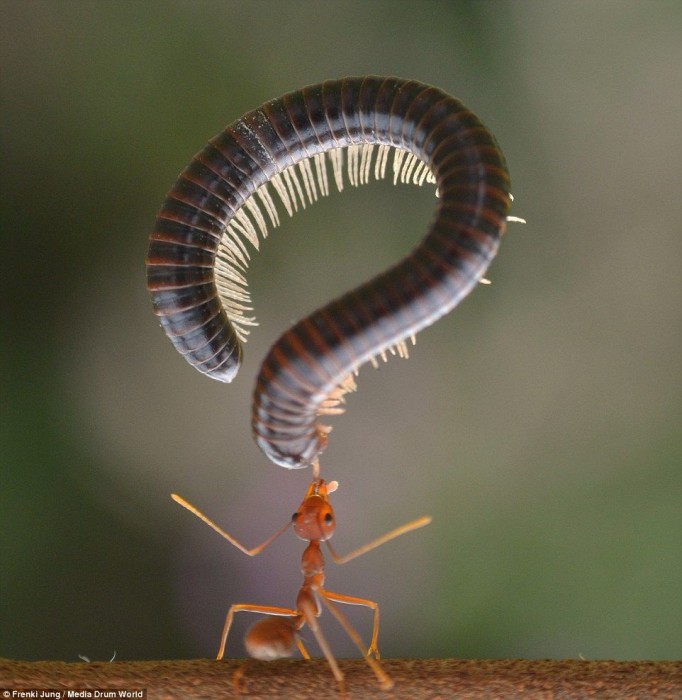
328, 518
294, 516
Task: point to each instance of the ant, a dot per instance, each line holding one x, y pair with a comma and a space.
277, 636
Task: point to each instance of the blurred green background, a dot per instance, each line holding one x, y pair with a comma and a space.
539, 424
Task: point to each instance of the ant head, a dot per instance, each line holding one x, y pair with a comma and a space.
314, 519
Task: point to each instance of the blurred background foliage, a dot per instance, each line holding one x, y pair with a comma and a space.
539, 423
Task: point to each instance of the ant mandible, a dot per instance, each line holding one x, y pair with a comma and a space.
277, 636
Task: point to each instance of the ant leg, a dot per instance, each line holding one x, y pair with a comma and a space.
374, 607
251, 552
310, 614
301, 648
238, 676
328, 599
272, 637
263, 610
403, 529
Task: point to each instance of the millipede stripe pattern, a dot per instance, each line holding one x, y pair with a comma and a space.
286, 154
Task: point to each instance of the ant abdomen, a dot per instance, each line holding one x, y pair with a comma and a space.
272, 638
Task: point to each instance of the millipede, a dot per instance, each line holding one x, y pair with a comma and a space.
284, 156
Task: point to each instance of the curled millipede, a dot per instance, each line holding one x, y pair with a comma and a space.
283, 151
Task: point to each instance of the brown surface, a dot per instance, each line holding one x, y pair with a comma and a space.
414, 678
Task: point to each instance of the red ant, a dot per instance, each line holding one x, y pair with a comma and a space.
277, 636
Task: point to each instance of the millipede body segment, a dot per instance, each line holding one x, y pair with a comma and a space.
281, 154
